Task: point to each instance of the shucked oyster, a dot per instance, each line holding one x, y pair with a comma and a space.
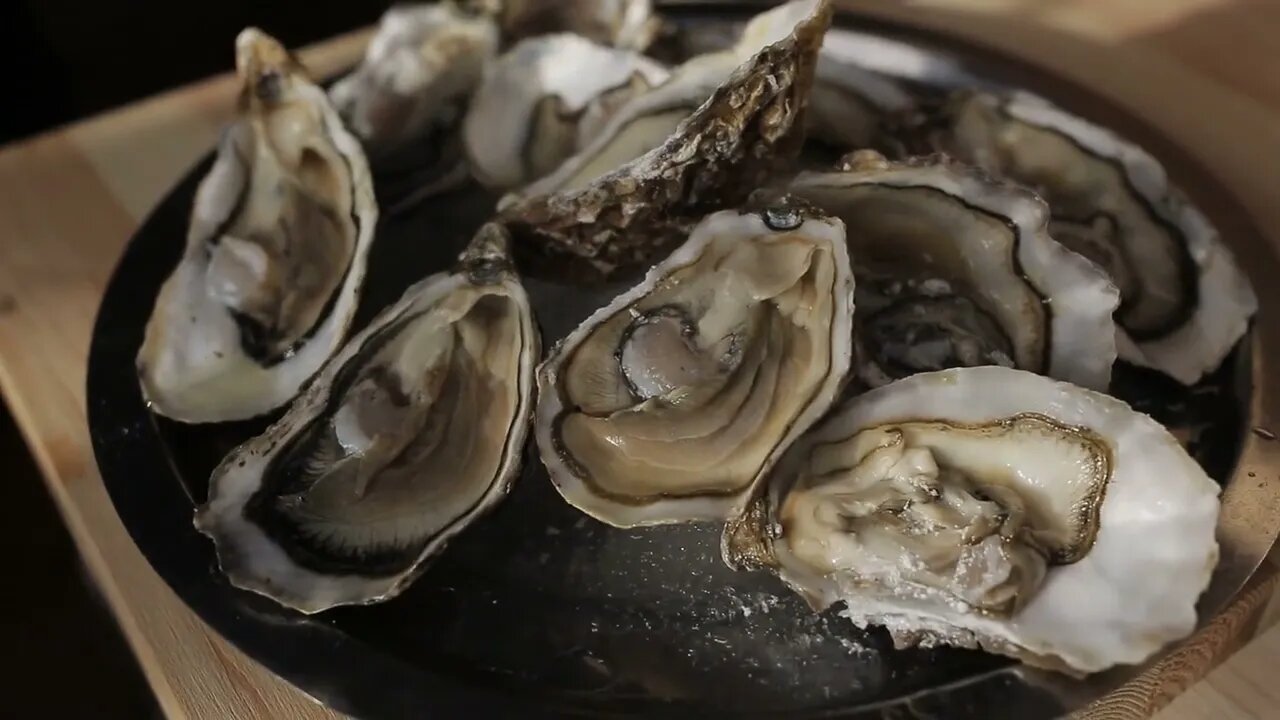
542, 98
275, 253
671, 402
956, 270
1184, 302
850, 105
995, 509
406, 99
413, 430
614, 211
628, 24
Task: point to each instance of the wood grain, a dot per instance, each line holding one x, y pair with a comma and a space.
1203, 71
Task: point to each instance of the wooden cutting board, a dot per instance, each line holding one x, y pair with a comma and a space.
1203, 71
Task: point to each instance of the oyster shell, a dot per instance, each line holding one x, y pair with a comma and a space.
992, 508
407, 98
541, 98
622, 215
671, 402
955, 270
628, 24
1184, 301
275, 253
852, 107
413, 430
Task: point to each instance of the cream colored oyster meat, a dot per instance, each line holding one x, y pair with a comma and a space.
275, 253
978, 507
1184, 301
413, 430
633, 194
670, 403
956, 270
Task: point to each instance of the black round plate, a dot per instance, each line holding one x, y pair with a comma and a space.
538, 610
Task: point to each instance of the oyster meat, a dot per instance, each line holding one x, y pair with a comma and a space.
407, 98
542, 98
992, 508
955, 270
670, 403
1183, 300
412, 431
612, 211
628, 24
275, 253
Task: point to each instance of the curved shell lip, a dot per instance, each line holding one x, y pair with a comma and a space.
263, 390
582, 493
1078, 297
252, 560
1142, 510
1225, 300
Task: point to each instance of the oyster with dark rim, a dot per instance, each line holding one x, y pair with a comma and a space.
670, 403
411, 432
1183, 300
612, 211
996, 509
275, 253
957, 270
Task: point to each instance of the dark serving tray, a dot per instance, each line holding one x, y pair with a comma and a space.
538, 610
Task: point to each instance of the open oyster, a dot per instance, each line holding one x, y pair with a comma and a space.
542, 98
957, 270
626, 24
850, 105
413, 430
1184, 302
670, 403
996, 509
610, 210
275, 253
406, 99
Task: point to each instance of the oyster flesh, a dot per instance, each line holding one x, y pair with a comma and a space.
670, 403
413, 430
628, 24
407, 98
541, 98
957, 270
1183, 300
622, 214
992, 508
275, 253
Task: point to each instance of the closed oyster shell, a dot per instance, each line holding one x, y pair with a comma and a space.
748, 127
955, 269
275, 252
992, 508
1184, 301
410, 433
670, 403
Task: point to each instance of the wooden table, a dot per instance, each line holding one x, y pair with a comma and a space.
1204, 71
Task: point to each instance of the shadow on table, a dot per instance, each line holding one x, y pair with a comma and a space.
64, 656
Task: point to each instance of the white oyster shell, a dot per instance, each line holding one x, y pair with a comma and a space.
670, 403
1134, 589
959, 237
543, 99
275, 253
410, 433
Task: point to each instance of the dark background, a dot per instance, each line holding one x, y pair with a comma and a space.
73, 58
63, 60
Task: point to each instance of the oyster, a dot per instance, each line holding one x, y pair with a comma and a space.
670, 403
957, 270
628, 24
851, 107
1184, 301
275, 253
407, 98
541, 98
413, 430
992, 508
612, 211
